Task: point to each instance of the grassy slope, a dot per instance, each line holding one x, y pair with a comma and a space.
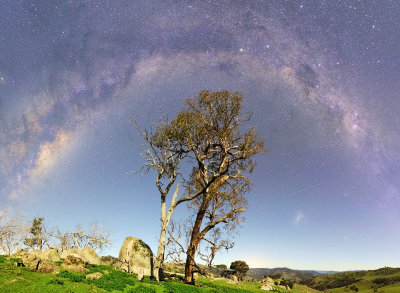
364, 281
18, 279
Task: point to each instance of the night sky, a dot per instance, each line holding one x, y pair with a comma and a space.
322, 79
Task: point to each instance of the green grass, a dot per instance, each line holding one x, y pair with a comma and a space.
385, 280
21, 279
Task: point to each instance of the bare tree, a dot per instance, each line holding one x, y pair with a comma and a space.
214, 244
178, 240
63, 240
11, 233
97, 237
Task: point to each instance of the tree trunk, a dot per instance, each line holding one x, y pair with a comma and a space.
159, 261
165, 218
194, 241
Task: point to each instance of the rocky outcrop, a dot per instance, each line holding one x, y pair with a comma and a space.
49, 254
267, 284
44, 266
267, 287
94, 276
109, 260
28, 257
73, 263
89, 255
136, 257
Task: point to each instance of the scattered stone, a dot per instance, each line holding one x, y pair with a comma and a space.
75, 264
134, 256
44, 266
18, 264
267, 287
140, 275
94, 276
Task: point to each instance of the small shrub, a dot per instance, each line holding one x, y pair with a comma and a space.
16, 259
3, 258
115, 280
59, 262
73, 277
56, 282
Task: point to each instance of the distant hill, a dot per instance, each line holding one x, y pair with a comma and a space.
286, 273
382, 280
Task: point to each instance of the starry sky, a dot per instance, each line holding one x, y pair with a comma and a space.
322, 79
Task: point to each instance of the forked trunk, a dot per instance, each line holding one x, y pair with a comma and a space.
165, 218
194, 241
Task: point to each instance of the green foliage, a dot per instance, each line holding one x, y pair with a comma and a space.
385, 281
353, 288
115, 280
180, 288
3, 258
16, 259
59, 262
73, 277
36, 231
98, 268
240, 267
387, 271
56, 281
221, 267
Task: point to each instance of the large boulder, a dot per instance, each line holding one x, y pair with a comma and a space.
75, 264
89, 255
44, 266
50, 254
136, 257
109, 260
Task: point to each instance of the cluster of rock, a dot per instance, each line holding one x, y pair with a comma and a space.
135, 257
267, 284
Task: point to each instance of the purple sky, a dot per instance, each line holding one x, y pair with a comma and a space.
321, 77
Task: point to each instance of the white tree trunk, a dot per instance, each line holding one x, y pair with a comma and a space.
165, 218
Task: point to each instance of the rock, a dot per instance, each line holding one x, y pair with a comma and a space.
44, 266
75, 264
29, 258
50, 254
109, 260
89, 255
95, 275
134, 256
195, 276
140, 276
267, 287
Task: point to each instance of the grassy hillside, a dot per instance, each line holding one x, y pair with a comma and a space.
288, 274
21, 279
384, 280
